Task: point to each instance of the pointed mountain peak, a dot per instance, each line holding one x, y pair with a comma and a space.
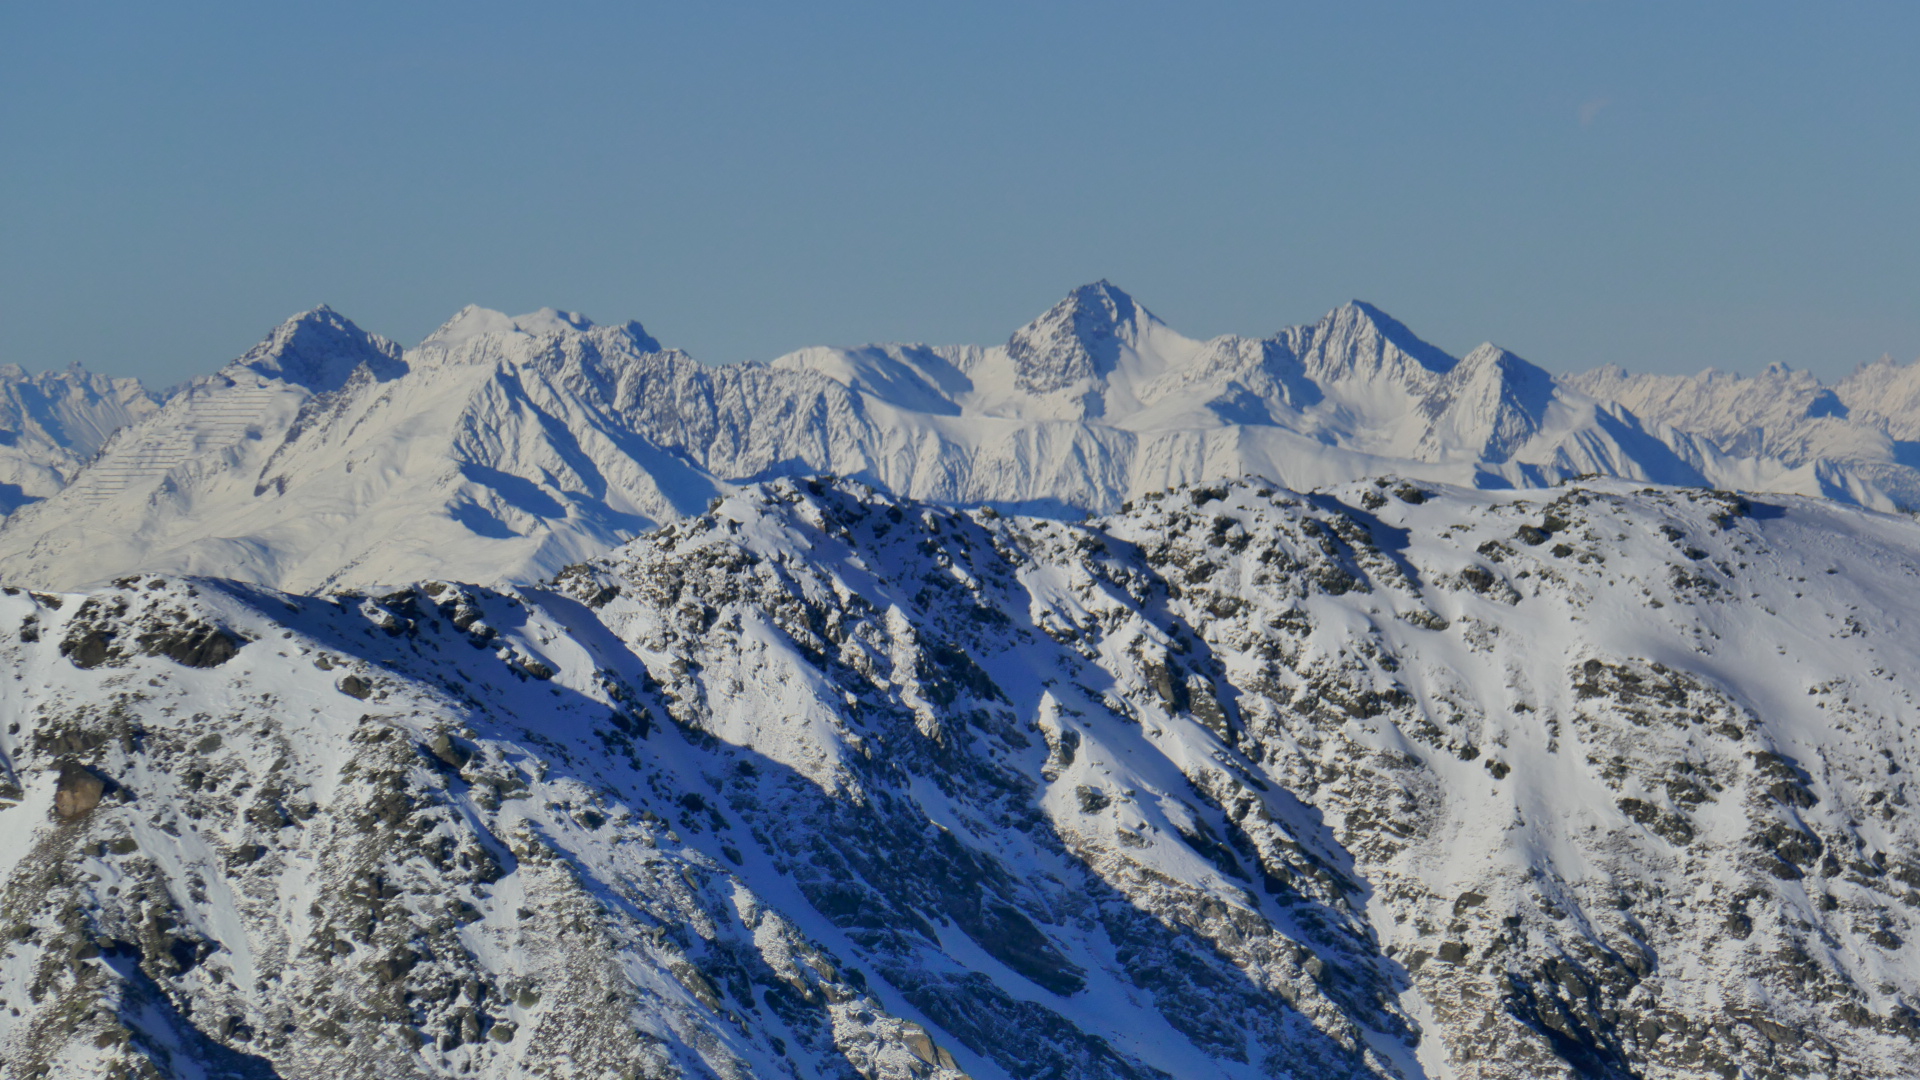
1078, 338
1103, 296
320, 315
1488, 353
1358, 316
1099, 307
1488, 406
1510, 364
319, 348
1528, 385
470, 322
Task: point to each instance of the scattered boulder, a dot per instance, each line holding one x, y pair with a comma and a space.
450, 753
78, 791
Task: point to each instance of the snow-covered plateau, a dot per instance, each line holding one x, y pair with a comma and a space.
1106, 705
1395, 779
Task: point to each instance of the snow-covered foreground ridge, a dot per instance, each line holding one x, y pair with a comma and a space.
501, 449
1389, 780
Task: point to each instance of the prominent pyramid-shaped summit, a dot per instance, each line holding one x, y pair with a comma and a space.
1077, 339
1357, 339
320, 350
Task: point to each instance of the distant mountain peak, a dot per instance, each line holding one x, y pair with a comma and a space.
471, 322
1357, 320
1078, 338
475, 321
1105, 295
549, 320
1488, 353
319, 348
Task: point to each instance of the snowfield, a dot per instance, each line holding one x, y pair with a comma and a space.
1391, 779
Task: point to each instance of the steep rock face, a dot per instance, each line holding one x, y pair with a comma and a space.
320, 350
1077, 342
1389, 780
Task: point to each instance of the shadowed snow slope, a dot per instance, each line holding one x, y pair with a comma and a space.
1393, 780
504, 447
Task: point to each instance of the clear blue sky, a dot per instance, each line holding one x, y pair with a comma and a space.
1663, 185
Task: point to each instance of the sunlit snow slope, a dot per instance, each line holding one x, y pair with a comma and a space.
502, 448
1392, 780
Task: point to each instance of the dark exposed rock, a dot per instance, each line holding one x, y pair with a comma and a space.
448, 751
88, 648
78, 790
196, 645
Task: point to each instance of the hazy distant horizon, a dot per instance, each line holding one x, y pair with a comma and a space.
1665, 189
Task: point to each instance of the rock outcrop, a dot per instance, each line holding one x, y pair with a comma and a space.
1395, 780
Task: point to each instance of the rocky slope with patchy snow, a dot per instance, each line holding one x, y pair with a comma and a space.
500, 449
1390, 780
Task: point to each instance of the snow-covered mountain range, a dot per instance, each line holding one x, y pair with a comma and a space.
503, 448
1392, 780
1864, 429
532, 703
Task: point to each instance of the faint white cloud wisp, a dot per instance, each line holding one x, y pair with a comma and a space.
1592, 109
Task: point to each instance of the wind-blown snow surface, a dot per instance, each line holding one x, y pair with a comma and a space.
501, 449
1390, 780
